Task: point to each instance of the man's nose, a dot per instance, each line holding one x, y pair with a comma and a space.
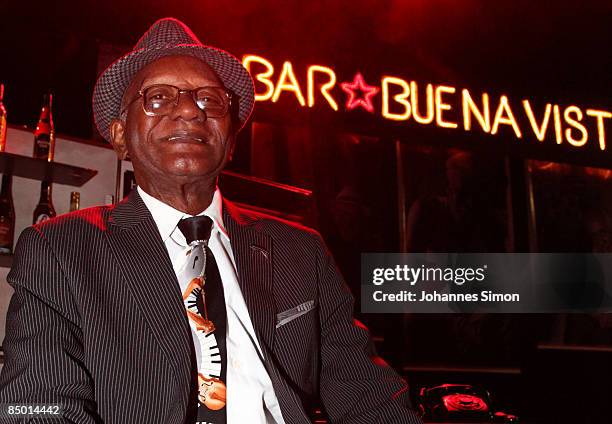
187, 109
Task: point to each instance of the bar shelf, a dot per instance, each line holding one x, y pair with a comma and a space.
41, 169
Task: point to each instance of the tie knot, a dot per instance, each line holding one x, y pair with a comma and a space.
196, 228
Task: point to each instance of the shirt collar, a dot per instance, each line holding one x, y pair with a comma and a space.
167, 218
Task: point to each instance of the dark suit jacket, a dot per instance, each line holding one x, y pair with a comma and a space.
97, 322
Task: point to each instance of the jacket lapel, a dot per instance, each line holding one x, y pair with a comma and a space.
253, 254
253, 251
143, 259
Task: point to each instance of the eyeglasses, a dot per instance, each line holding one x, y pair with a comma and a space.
161, 99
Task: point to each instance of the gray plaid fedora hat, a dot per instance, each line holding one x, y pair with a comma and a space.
166, 37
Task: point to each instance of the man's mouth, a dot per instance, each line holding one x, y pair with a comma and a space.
185, 138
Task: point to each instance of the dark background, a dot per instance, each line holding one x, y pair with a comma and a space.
554, 51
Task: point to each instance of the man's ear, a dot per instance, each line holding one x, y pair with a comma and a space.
118, 138
231, 147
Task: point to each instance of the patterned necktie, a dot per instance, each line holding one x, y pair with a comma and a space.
205, 303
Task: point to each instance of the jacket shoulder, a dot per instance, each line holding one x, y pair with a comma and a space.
94, 218
272, 225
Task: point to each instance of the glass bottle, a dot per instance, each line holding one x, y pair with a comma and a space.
44, 210
75, 201
7, 215
2, 120
44, 135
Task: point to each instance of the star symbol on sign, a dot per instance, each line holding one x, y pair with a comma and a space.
367, 91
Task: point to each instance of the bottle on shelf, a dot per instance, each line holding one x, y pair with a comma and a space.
2, 120
44, 210
75, 201
7, 215
44, 135
7, 209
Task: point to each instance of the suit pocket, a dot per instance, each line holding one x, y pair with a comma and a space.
289, 315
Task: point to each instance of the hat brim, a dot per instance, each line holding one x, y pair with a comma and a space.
112, 83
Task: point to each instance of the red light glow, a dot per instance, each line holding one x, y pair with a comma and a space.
354, 100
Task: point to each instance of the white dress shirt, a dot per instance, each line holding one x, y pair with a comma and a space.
250, 395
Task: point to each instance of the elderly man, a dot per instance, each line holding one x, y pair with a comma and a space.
176, 306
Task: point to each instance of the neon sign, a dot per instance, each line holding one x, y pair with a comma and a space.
354, 88
401, 100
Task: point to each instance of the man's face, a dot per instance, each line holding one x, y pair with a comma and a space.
182, 146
